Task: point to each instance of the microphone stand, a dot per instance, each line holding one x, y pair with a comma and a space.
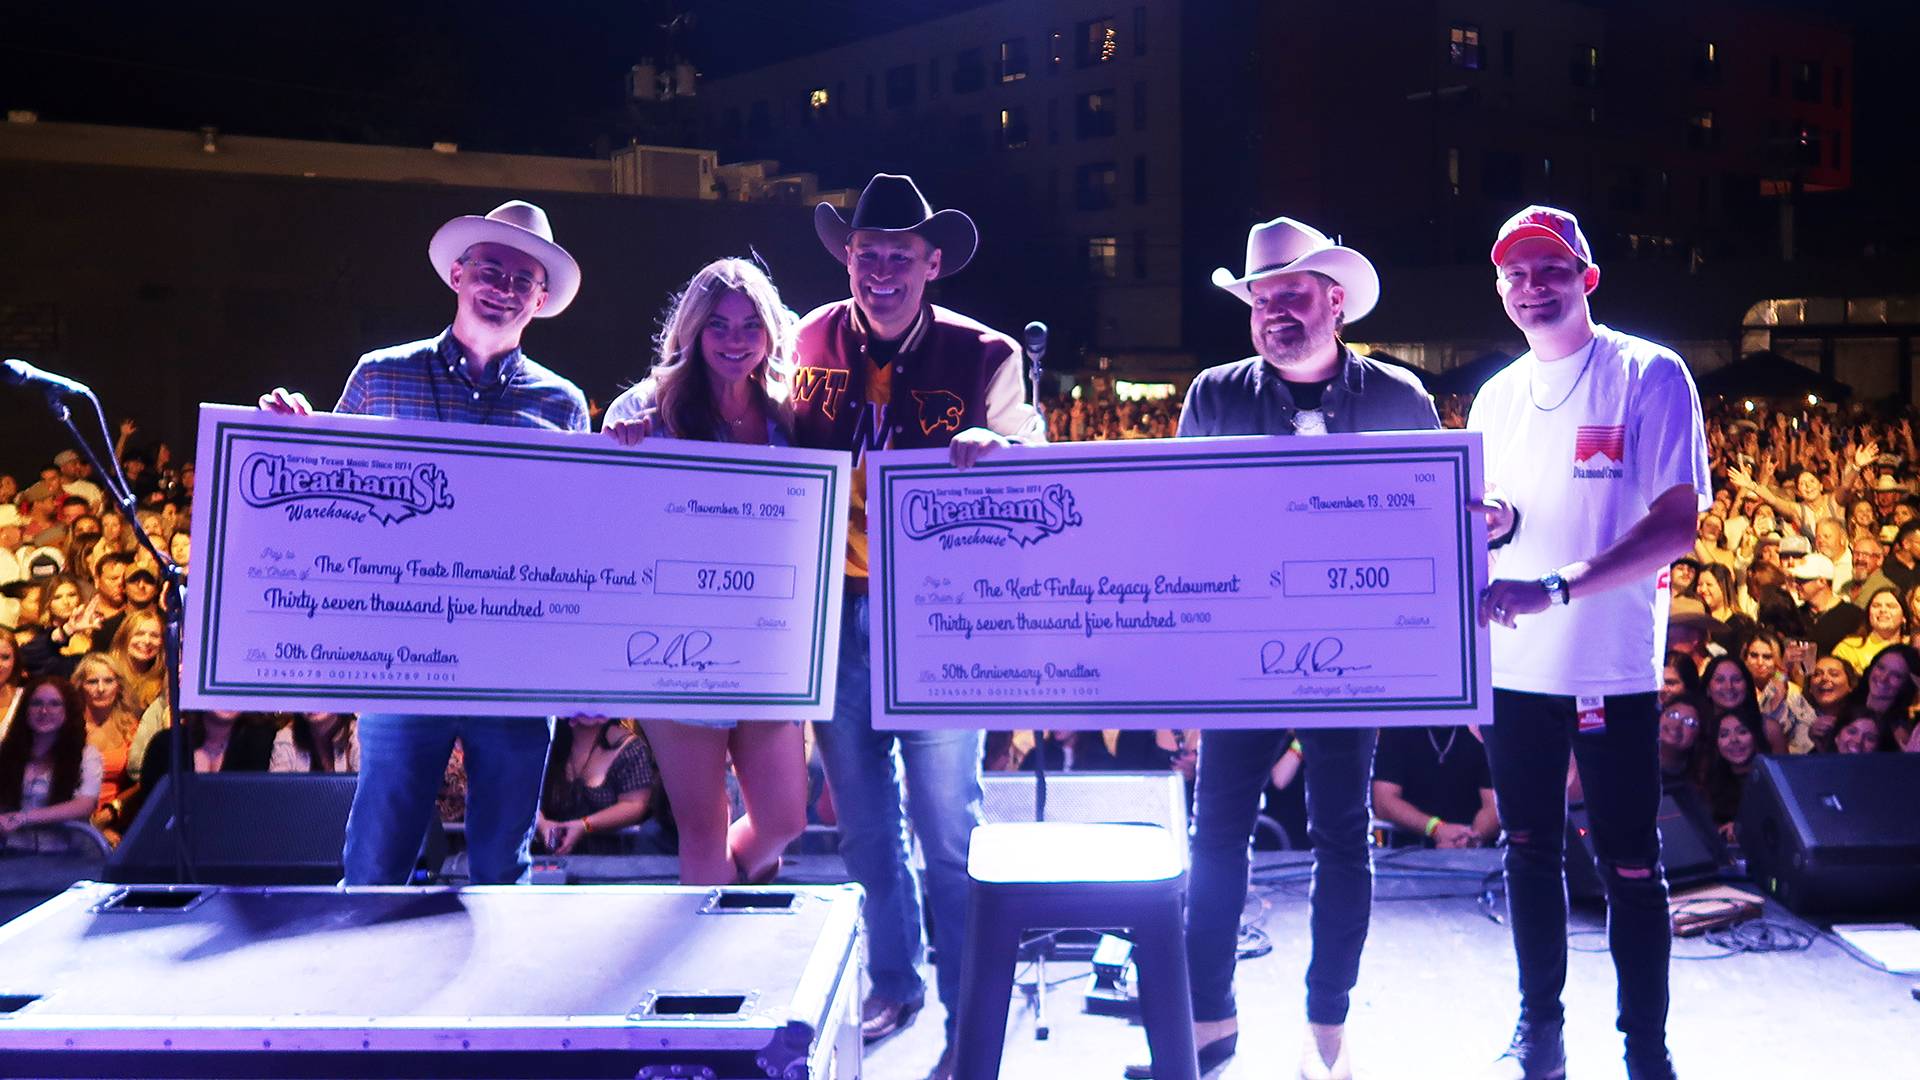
172, 604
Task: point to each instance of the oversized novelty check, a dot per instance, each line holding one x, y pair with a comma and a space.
1243, 582
365, 565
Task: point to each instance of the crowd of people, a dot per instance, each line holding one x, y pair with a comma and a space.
1790, 620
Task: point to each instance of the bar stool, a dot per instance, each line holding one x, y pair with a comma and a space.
1067, 875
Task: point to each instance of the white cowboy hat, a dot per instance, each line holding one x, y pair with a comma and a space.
1286, 246
521, 226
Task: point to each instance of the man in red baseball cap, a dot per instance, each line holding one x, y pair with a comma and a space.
1596, 466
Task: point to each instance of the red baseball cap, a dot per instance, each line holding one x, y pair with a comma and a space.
1543, 221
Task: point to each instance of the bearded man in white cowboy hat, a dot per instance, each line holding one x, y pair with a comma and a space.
886, 369
505, 271
1302, 289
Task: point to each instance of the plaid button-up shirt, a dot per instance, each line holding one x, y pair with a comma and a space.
428, 380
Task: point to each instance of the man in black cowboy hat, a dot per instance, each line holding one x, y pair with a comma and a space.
886, 369
505, 271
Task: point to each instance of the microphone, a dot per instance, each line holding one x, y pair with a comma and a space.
1036, 340
17, 372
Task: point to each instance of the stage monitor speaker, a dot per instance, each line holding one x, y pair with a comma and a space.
1835, 833
1102, 798
1690, 849
246, 829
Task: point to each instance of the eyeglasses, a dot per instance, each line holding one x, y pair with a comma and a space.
1684, 719
494, 276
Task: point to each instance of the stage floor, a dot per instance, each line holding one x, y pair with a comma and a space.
1436, 999
1436, 996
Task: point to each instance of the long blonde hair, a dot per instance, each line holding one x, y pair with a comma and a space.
121, 720
142, 686
682, 388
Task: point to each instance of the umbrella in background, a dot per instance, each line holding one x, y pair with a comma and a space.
1768, 374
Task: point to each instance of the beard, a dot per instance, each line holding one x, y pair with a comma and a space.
1285, 350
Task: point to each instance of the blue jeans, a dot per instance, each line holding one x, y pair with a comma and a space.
941, 799
1233, 772
402, 762
1527, 747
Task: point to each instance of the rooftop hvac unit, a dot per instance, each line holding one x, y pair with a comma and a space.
664, 172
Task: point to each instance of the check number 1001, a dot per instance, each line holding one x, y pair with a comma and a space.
1351, 577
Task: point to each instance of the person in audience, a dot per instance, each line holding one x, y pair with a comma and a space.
1783, 707
1726, 762
217, 741
1865, 732
136, 651
67, 625
1679, 677
1433, 783
11, 676
143, 588
110, 727
316, 742
1679, 740
720, 376
1886, 625
1887, 689
1829, 686
49, 772
600, 779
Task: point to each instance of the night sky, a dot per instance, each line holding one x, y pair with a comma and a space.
490, 75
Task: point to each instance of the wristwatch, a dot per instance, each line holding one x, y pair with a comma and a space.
1556, 587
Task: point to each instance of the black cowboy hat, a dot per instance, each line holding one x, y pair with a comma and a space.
894, 204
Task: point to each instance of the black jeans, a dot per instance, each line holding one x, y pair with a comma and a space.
1233, 770
1527, 746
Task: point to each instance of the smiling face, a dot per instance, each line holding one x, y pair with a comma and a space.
1294, 318
1679, 726
888, 273
143, 642
46, 709
1710, 593
1830, 681
1886, 676
1735, 741
1728, 687
1861, 736
499, 287
1884, 614
1543, 287
734, 342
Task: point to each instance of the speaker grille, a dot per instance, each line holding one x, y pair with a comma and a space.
246, 828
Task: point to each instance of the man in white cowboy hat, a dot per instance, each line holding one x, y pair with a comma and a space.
885, 368
1301, 289
1596, 466
505, 271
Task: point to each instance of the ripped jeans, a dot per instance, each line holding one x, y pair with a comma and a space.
1527, 747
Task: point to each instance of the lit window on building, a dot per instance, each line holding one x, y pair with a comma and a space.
1013, 128
1103, 257
1700, 130
1463, 47
1585, 69
817, 99
1099, 41
1706, 61
1013, 60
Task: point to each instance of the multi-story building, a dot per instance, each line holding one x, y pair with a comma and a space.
1057, 125
1133, 144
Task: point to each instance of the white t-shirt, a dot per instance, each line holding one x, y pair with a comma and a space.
1581, 474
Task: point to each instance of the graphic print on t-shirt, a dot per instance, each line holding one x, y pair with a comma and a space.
1599, 450
939, 409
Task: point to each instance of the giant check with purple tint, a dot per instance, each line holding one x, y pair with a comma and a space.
1245, 582
352, 564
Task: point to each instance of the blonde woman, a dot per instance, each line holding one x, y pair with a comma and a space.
718, 376
110, 726
137, 648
